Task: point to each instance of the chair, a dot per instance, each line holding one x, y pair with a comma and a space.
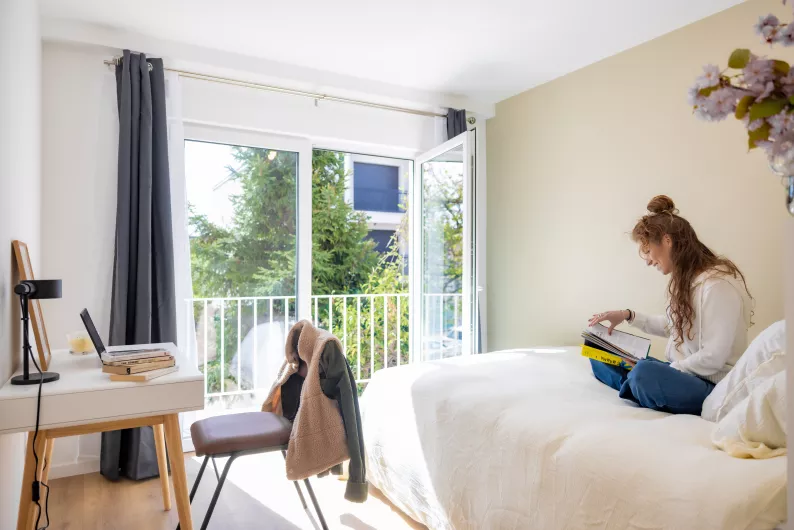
236, 435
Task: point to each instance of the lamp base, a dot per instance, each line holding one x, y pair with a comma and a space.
33, 379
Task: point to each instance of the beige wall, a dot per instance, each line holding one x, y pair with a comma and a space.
572, 164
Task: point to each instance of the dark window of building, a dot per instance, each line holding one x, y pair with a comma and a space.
376, 188
381, 239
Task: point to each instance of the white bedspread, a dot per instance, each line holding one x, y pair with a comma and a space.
530, 440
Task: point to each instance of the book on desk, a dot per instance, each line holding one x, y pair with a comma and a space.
129, 364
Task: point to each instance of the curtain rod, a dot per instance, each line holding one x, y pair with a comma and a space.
295, 92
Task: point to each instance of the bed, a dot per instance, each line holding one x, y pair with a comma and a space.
528, 439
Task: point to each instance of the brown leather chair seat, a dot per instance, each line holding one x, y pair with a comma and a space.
246, 431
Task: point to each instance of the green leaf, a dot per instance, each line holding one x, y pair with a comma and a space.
766, 108
758, 135
743, 106
706, 92
791, 99
739, 58
781, 67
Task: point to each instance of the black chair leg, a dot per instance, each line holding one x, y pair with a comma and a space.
300, 494
196, 483
217, 493
198, 479
217, 475
316, 505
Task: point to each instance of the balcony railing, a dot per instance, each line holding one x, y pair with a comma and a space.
239, 341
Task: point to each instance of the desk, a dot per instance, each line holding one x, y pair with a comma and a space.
84, 401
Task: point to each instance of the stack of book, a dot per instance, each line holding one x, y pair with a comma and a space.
619, 349
141, 365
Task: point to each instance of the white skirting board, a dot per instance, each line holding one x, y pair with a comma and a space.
81, 466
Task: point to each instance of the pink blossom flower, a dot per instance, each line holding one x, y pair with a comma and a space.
767, 27
753, 125
766, 145
718, 105
710, 77
693, 96
758, 72
786, 35
781, 124
768, 89
787, 83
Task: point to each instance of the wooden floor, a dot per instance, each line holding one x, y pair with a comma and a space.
90, 502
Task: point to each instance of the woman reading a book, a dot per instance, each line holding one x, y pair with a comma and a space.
706, 323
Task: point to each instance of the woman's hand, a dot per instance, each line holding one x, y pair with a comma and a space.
613, 317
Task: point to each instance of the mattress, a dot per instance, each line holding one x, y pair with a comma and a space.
528, 439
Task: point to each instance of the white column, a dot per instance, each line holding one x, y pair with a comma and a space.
20, 198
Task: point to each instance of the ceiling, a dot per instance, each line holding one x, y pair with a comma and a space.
484, 50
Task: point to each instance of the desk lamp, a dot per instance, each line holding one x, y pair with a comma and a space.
33, 290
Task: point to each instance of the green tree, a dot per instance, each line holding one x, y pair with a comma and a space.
256, 254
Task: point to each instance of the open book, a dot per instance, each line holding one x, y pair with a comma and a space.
616, 348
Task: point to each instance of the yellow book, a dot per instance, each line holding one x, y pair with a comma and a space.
605, 357
144, 376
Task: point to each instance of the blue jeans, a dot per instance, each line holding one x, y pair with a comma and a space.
656, 385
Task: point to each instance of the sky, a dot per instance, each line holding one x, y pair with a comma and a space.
205, 167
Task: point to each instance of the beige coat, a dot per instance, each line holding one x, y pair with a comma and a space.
317, 442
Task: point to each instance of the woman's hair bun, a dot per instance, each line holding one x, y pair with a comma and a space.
662, 204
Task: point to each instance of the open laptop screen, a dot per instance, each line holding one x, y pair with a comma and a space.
92, 332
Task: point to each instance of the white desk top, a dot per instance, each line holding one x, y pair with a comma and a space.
84, 394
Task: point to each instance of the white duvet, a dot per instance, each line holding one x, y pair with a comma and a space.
530, 440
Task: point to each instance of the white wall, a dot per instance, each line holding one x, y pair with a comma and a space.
79, 145
79, 173
20, 181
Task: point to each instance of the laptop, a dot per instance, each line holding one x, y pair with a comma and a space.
116, 354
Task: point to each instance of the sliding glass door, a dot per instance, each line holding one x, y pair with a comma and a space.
443, 308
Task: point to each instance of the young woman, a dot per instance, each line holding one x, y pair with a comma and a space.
707, 317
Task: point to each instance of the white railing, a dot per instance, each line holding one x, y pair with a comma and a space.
373, 329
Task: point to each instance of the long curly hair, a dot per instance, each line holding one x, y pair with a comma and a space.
689, 255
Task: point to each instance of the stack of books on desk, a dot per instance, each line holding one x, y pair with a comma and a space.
140, 366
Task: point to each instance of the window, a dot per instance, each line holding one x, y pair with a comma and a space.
377, 188
382, 239
242, 195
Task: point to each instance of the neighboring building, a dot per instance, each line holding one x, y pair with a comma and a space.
379, 187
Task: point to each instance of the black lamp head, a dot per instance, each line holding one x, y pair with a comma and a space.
39, 289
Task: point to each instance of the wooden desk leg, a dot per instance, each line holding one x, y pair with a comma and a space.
162, 465
177, 456
26, 516
45, 474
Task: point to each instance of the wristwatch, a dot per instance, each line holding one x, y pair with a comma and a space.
631, 316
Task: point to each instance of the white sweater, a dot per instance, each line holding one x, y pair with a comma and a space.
719, 329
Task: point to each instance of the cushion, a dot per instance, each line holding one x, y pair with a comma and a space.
245, 431
763, 359
756, 427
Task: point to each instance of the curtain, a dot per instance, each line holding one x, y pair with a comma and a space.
143, 306
456, 123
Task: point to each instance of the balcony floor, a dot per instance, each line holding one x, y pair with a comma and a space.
256, 495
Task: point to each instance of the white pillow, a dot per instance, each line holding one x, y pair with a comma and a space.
756, 427
767, 350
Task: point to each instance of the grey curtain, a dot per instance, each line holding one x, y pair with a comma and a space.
143, 308
456, 122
